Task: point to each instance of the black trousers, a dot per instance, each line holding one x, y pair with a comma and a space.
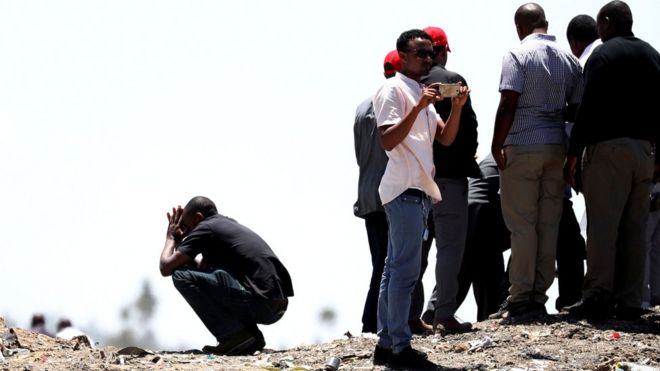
377, 230
483, 263
570, 258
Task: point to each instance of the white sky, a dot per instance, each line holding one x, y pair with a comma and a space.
112, 112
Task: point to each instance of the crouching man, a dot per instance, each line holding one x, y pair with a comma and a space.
238, 283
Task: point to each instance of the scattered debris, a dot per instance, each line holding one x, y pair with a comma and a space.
552, 342
477, 345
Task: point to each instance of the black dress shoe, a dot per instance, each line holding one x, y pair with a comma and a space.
592, 309
510, 309
381, 356
410, 359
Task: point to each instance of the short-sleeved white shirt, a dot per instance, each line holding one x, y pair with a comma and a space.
410, 163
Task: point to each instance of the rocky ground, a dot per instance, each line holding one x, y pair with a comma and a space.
551, 342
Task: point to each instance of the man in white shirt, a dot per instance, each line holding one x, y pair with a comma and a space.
582, 36
408, 124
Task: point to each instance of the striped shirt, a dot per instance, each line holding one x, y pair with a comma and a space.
547, 78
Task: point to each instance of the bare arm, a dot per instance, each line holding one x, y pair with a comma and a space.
446, 132
170, 258
503, 121
392, 135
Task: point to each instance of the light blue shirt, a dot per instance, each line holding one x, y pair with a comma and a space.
547, 78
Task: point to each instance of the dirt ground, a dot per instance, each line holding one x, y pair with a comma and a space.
550, 342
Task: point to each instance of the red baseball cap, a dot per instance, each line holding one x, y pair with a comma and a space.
438, 36
392, 63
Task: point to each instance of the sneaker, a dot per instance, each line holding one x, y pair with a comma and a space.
410, 359
451, 325
592, 308
510, 309
238, 344
381, 356
419, 327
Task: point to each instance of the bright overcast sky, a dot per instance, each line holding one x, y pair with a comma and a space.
112, 112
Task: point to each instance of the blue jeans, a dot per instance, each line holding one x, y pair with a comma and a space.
406, 216
224, 305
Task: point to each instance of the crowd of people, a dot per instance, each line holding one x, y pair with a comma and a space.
559, 126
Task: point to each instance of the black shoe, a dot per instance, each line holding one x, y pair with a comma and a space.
428, 316
510, 309
381, 356
592, 308
629, 313
239, 344
537, 308
410, 359
452, 325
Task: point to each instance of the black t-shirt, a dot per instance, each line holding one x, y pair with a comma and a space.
458, 159
225, 244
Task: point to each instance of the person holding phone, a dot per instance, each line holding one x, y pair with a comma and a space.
408, 125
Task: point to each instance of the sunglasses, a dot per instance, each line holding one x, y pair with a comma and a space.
423, 53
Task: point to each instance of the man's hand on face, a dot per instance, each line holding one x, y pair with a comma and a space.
175, 230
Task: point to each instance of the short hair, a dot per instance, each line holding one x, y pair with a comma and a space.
406, 36
203, 205
531, 15
64, 323
582, 28
619, 15
38, 319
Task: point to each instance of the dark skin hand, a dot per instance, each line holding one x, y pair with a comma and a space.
170, 258
503, 121
393, 135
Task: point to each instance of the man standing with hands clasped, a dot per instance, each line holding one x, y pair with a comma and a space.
408, 124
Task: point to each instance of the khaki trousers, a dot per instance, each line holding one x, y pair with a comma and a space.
616, 180
531, 189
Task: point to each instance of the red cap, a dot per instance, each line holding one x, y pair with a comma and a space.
392, 63
438, 36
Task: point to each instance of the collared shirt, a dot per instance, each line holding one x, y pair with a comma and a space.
587, 51
371, 159
547, 78
410, 163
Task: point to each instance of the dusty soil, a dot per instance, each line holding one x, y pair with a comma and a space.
550, 342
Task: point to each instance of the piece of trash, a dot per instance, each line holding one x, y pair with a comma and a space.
614, 336
477, 345
7, 352
332, 364
629, 366
44, 358
134, 351
348, 334
537, 355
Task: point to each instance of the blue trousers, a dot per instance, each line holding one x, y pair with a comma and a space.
406, 217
